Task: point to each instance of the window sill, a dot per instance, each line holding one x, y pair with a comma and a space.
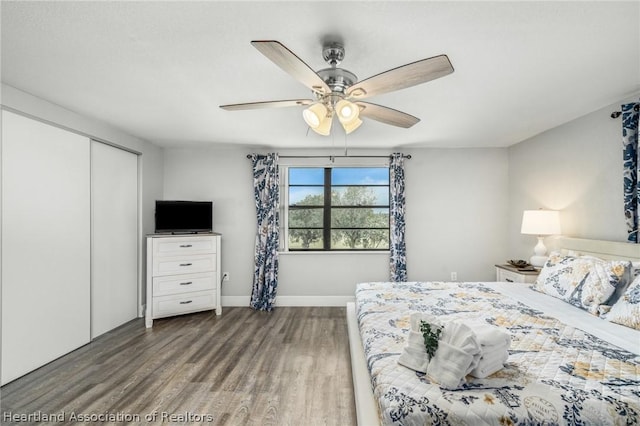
335, 252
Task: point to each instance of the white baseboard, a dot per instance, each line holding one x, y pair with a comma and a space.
292, 300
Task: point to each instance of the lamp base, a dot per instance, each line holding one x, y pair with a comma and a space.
538, 261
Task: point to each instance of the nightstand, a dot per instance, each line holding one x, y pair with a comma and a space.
511, 274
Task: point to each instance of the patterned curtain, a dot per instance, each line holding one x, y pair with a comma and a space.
631, 169
266, 191
398, 258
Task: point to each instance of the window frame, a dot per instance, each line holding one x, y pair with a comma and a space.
327, 207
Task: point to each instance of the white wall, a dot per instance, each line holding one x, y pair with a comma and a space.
575, 168
456, 215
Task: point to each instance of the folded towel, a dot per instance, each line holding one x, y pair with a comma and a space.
414, 358
490, 335
414, 354
457, 354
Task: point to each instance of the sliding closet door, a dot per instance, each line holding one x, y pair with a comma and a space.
45, 243
114, 255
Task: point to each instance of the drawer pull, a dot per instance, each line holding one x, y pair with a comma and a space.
187, 283
186, 302
186, 264
186, 245
508, 280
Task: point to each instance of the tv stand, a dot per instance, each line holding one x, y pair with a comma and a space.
183, 274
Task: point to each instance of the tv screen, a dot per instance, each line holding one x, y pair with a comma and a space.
184, 216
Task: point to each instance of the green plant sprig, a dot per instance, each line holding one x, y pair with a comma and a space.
431, 334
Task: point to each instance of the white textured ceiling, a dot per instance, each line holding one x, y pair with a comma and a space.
159, 70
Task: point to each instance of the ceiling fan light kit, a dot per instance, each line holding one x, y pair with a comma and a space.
337, 91
315, 114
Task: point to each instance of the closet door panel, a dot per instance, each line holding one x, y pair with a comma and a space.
114, 265
45, 243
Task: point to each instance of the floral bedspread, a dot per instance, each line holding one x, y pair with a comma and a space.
555, 374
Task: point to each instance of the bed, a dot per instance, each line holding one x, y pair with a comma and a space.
565, 365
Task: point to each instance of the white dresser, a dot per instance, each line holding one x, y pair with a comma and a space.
183, 275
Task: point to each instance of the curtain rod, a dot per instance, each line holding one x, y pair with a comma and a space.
616, 114
408, 156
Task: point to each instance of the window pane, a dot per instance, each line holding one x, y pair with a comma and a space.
305, 218
306, 196
359, 218
305, 239
306, 176
358, 206
360, 239
360, 196
360, 176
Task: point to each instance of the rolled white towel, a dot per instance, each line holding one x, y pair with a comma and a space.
492, 359
487, 367
457, 351
493, 354
491, 335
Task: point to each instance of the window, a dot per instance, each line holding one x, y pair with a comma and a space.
337, 208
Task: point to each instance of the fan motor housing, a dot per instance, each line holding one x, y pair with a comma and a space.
338, 79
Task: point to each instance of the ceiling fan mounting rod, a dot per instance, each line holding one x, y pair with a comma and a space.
333, 53
338, 79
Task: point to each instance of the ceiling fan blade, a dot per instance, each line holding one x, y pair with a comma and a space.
267, 104
289, 62
402, 77
387, 115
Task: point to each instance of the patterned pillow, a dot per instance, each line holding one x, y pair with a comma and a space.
600, 284
586, 282
634, 271
626, 311
561, 275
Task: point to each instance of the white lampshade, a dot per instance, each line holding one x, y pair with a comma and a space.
540, 222
347, 111
325, 126
350, 127
314, 115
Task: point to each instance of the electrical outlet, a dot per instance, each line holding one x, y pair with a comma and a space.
225, 276
454, 276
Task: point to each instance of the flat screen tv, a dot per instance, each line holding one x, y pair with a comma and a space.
186, 217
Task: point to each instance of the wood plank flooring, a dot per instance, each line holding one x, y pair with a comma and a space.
287, 367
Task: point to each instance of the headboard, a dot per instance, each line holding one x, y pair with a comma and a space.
608, 250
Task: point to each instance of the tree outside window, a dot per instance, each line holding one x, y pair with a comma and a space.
339, 208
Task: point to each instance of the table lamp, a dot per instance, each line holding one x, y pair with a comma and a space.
540, 223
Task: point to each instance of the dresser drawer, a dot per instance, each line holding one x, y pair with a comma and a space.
177, 246
508, 276
511, 276
183, 265
173, 284
183, 303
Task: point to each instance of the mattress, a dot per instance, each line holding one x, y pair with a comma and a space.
556, 372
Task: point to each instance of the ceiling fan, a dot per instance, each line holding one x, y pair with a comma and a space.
338, 92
